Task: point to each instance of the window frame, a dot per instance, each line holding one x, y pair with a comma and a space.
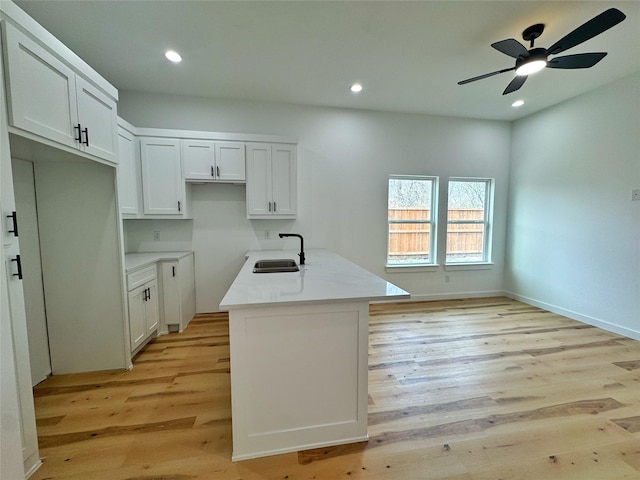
486, 221
432, 222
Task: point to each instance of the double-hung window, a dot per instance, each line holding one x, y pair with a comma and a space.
469, 205
411, 219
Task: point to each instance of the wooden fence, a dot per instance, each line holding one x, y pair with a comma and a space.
413, 238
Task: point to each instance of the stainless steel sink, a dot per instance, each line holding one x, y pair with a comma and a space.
275, 265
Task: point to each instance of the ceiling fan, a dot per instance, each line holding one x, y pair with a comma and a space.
531, 60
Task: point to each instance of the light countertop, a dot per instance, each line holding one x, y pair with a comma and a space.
133, 261
325, 278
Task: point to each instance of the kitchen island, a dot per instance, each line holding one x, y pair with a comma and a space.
299, 344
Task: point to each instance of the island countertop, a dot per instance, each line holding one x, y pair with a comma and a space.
325, 278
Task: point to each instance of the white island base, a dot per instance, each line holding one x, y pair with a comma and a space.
299, 377
299, 348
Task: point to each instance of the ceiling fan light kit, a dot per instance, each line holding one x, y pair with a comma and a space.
529, 61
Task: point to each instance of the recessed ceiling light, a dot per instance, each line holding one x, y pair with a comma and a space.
173, 56
517, 103
357, 87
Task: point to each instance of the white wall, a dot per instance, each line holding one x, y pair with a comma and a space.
344, 159
175, 235
574, 233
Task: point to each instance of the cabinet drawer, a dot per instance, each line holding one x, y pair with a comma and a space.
139, 277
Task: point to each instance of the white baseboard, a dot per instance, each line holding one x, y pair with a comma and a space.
429, 297
611, 327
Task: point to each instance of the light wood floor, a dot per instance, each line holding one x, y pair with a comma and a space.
482, 389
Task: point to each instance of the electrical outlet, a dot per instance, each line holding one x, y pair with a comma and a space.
156, 236
267, 234
635, 194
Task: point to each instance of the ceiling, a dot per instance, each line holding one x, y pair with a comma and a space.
408, 55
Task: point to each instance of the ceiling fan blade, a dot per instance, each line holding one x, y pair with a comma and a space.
486, 75
515, 84
588, 30
580, 60
511, 47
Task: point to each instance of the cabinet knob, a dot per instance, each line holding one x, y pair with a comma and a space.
14, 219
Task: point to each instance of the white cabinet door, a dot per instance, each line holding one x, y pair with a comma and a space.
230, 162
284, 179
198, 157
178, 292
213, 161
171, 293
137, 327
151, 314
127, 173
271, 181
162, 184
41, 90
259, 182
98, 118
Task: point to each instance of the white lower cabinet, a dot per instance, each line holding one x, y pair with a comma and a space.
178, 292
143, 305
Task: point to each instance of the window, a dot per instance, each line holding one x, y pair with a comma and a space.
410, 213
469, 220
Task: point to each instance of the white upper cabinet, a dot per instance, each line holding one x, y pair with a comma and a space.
283, 158
198, 159
163, 189
230, 162
128, 176
46, 97
271, 181
210, 161
98, 119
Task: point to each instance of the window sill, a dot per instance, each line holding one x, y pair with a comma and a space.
469, 266
432, 267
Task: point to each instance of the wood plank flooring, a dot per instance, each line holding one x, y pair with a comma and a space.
479, 389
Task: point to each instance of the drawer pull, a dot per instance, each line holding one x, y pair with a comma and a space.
19, 264
14, 219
